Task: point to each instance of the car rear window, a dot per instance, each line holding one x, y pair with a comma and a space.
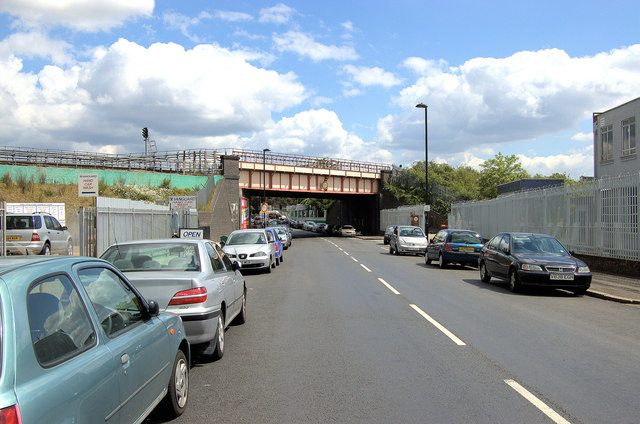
464, 237
23, 222
154, 257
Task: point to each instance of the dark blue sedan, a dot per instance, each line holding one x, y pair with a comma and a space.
454, 245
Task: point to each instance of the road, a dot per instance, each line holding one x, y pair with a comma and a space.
344, 332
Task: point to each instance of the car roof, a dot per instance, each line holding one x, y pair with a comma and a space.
163, 241
529, 234
9, 264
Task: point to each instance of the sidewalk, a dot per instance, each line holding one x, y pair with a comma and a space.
615, 287
612, 287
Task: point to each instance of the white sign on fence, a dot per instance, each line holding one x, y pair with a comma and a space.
182, 202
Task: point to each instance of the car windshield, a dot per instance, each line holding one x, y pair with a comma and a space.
154, 257
465, 237
253, 237
538, 245
411, 232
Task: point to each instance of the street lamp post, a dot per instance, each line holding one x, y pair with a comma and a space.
264, 185
426, 168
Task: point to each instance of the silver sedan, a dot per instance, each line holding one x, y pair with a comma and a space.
192, 278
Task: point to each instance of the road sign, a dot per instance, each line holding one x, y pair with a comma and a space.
264, 207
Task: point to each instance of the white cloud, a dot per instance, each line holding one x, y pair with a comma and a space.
319, 133
371, 76
575, 164
36, 44
583, 137
184, 23
81, 15
233, 16
521, 98
306, 46
194, 94
278, 14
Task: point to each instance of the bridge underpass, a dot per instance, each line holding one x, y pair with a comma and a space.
355, 185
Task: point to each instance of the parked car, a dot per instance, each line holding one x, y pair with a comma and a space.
336, 230
347, 231
321, 228
192, 278
407, 239
451, 245
534, 260
278, 245
284, 235
252, 249
80, 344
309, 226
387, 234
38, 233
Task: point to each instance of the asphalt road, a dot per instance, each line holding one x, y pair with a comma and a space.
344, 332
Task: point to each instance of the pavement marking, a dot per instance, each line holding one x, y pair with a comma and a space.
438, 326
557, 418
367, 269
394, 291
354, 259
346, 253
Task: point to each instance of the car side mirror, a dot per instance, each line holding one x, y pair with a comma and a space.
153, 308
235, 265
431, 241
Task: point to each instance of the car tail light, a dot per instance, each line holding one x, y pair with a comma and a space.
34, 237
188, 297
447, 248
10, 415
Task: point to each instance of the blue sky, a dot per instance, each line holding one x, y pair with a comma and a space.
332, 79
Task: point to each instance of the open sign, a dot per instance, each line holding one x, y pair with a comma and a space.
192, 233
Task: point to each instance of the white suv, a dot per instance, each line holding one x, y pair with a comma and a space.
36, 234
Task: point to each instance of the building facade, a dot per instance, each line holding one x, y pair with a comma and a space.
614, 136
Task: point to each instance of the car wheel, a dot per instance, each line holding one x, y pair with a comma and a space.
273, 264
218, 351
484, 275
46, 249
241, 318
277, 261
268, 268
441, 262
175, 401
427, 260
70, 249
281, 258
390, 250
514, 284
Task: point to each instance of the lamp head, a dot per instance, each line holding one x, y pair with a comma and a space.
421, 105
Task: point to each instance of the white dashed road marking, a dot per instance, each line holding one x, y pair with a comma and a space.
394, 291
537, 402
367, 269
438, 326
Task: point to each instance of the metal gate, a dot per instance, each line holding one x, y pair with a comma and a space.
88, 232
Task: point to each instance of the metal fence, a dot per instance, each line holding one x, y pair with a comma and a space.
120, 220
598, 218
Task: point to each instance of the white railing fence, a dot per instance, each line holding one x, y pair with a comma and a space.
598, 218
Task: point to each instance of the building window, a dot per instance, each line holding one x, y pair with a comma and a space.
629, 136
606, 142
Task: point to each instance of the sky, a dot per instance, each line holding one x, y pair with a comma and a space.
336, 79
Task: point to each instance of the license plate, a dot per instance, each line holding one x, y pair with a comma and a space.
13, 238
466, 249
560, 276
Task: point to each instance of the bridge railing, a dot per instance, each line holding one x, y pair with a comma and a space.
203, 161
253, 156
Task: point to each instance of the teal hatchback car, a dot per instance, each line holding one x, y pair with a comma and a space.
79, 344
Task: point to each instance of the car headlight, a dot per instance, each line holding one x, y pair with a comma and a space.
583, 269
531, 267
257, 254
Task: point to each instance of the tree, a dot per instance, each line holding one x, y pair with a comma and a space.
501, 169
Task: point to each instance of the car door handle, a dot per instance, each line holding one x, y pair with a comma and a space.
124, 358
